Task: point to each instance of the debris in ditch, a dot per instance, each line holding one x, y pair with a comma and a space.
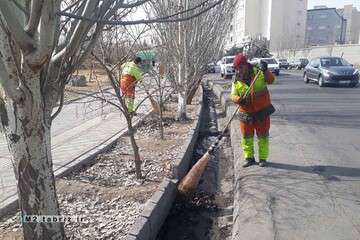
200, 200
192, 217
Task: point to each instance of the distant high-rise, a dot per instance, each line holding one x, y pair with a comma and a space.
325, 26
352, 16
281, 22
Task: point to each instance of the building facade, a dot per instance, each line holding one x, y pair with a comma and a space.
325, 26
352, 16
281, 22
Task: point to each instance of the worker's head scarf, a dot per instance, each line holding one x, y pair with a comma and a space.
240, 59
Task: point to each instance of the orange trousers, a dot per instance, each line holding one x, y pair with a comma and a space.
262, 131
261, 128
127, 85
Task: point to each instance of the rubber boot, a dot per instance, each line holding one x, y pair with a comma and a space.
248, 162
262, 163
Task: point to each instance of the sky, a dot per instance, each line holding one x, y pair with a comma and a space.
333, 3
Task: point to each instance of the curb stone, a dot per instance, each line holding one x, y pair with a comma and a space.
11, 203
157, 208
183, 159
235, 138
84, 159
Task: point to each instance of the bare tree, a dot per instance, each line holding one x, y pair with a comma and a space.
42, 43
154, 84
163, 89
192, 44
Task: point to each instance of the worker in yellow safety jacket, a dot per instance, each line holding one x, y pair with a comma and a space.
130, 75
255, 109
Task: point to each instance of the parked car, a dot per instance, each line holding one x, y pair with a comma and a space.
298, 63
227, 66
211, 68
283, 63
331, 70
292, 64
273, 65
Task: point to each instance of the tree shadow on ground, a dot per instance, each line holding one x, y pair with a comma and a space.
324, 170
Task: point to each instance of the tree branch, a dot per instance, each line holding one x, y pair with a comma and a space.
22, 8
9, 84
58, 110
25, 42
95, 97
79, 31
143, 21
132, 5
48, 26
34, 18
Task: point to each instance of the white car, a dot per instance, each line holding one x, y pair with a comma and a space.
273, 65
283, 63
227, 66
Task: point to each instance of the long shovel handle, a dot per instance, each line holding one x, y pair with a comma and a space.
245, 96
251, 85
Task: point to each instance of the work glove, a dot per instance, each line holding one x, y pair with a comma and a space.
243, 101
263, 66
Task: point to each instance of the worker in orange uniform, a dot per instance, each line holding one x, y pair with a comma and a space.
131, 74
255, 110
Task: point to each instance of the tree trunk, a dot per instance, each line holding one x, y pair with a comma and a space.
135, 148
182, 68
161, 127
190, 96
192, 92
181, 106
27, 130
182, 93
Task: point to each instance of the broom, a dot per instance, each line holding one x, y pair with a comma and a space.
154, 104
190, 182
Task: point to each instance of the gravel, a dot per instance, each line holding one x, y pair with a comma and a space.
109, 219
107, 194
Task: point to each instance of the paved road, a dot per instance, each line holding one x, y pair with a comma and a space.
311, 190
79, 128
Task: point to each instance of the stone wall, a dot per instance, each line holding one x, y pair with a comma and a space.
350, 52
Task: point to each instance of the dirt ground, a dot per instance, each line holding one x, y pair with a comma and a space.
107, 194
96, 80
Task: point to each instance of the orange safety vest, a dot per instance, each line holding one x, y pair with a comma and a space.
259, 94
130, 74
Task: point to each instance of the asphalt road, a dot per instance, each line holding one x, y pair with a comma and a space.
311, 189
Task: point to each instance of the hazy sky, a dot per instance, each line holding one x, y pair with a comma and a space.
333, 3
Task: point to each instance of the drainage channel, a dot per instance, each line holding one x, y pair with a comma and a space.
208, 214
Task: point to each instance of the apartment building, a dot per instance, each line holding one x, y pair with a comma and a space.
281, 22
325, 26
352, 16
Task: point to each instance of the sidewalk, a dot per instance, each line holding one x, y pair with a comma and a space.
298, 196
310, 189
76, 133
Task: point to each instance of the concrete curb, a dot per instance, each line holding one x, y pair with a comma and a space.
235, 137
157, 208
183, 159
84, 159
238, 204
223, 95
